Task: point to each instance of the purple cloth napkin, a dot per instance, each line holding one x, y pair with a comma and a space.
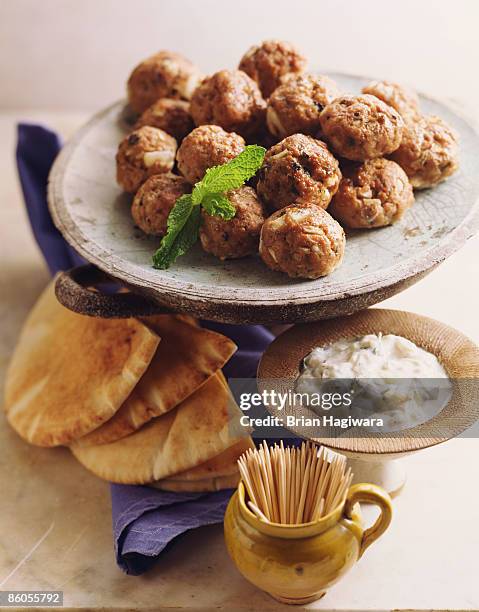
145, 520
37, 148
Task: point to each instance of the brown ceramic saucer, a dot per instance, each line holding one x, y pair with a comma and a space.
458, 355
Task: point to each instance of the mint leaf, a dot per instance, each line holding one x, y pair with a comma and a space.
231, 175
186, 238
218, 205
177, 219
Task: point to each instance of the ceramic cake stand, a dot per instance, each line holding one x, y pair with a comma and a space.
93, 215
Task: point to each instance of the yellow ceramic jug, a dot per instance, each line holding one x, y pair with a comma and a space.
297, 563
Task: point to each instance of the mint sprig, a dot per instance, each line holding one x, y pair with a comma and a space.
210, 193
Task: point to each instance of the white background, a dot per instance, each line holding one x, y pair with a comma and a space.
76, 54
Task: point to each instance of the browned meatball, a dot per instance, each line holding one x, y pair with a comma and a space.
231, 99
163, 75
296, 169
361, 127
271, 60
372, 194
154, 200
428, 152
401, 98
302, 241
205, 147
296, 105
239, 236
141, 154
172, 116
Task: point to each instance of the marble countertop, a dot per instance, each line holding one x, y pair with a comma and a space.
55, 522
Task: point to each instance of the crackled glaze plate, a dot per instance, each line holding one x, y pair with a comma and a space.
93, 215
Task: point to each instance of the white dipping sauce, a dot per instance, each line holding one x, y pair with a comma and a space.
375, 363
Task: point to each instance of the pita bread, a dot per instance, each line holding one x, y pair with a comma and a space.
220, 472
186, 358
201, 427
70, 373
224, 464
198, 486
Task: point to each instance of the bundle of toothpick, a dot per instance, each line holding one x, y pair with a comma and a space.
293, 485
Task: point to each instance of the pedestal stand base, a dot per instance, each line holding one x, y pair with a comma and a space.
386, 473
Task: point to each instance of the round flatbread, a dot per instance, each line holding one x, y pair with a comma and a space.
70, 373
224, 464
220, 472
201, 427
186, 358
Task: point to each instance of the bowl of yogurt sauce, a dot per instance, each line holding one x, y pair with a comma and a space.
420, 376
389, 377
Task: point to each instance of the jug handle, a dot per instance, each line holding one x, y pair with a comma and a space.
374, 495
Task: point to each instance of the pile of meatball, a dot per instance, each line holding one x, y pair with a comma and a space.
334, 159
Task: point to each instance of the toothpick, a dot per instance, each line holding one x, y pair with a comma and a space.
258, 512
299, 514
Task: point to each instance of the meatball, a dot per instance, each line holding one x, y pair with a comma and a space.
154, 200
428, 152
361, 127
302, 241
172, 116
141, 154
372, 194
296, 105
205, 147
163, 75
231, 99
298, 168
271, 60
239, 236
402, 99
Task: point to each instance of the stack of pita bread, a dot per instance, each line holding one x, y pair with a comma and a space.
137, 401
